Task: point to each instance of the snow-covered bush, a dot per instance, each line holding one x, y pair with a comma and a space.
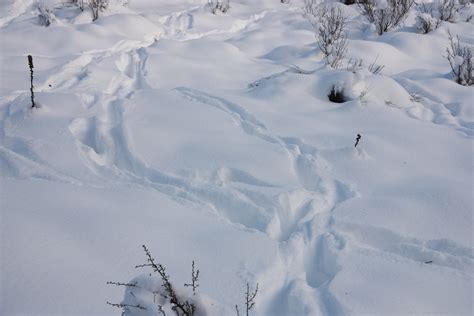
431, 15
219, 5
45, 15
96, 6
341, 85
447, 10
165, 297
154, 294
425, 23
385, 14
79, 3
427, 18
311, 8
460, 60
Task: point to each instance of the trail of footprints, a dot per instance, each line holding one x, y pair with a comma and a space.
102, 140
300, 218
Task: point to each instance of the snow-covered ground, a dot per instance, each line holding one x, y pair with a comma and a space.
211, 138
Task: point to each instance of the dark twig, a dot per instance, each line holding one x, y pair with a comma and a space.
161, 311
194, 279
30, 64
125, 305
122, 284
250, 298
143, 265
357, 140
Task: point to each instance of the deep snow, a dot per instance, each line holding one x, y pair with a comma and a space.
210, 138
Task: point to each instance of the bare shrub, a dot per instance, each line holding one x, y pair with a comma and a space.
431, 15
45, 15
179, 306
460, 60
249, 300
176, 301
331, 36
96, 6
79, 3
329, 24
375, 68
425, 23
219, 5
194, 279
354, 65
167, 299
311, 8
385, 15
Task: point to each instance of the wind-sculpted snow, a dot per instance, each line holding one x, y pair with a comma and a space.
211, 138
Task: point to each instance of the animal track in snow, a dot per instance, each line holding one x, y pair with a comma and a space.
303, 220
439, 113
439, 252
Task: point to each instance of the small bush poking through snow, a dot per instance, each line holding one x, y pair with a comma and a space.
448, 10
329, 24
427, 18
425, 23
166, 298
79, 3
354, 65
311, 8
249, 300
385, 14
219, 5
431, 15
331, 36
97, 6
45, 15
460, 60
148, 295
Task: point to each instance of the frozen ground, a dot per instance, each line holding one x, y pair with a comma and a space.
210, 138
